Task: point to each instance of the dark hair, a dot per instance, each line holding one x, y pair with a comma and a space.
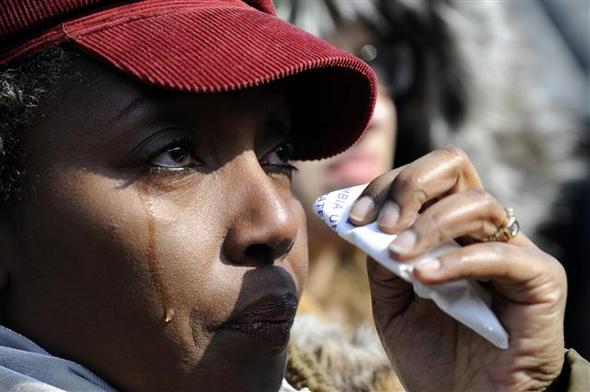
22, 85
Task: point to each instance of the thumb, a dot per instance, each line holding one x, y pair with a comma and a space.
390, 294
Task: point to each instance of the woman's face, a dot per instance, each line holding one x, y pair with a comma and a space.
159, 243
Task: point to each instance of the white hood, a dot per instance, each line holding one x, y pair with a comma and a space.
24, 366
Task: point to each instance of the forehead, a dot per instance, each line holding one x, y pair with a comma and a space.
91, 95
88, 82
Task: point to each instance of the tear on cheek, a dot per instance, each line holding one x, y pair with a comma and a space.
153, 265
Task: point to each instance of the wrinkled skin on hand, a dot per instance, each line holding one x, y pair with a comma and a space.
433, 200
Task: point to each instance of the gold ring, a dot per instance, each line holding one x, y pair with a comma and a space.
508, 230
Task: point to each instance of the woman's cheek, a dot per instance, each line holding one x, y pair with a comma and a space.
154, 255
88, 236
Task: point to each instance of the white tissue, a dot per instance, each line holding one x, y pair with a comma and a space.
464, 300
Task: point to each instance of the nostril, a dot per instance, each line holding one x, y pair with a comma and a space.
267, 253
261, 254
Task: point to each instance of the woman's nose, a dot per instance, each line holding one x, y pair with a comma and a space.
264, 226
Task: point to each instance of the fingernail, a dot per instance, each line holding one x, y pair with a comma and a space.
404, 242
362, 208
389, 214
428, 264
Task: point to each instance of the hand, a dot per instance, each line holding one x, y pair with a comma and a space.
431, 201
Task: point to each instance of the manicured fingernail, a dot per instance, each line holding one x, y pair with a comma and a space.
404, 243
389, 214
362, 208
428, 264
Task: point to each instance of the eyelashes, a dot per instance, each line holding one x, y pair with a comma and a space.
283, 170
178, 154
278, 161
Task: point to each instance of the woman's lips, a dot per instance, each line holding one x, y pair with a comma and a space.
355, 169
267, 321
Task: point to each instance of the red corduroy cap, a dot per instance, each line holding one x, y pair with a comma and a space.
206, 46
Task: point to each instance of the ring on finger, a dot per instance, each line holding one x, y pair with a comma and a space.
508, 230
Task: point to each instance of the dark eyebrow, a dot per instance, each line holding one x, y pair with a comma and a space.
131, 105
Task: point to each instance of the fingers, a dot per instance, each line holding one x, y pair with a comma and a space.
396, 197
474, 213
522, 273
445, 189
366, 207
437, 174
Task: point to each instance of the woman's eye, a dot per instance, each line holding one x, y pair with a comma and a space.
279, 159
279, 156
175, 156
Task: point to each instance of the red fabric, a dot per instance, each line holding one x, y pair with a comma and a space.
207, 46
19, 17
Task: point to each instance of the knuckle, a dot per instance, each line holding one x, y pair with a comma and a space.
486, 228
554, 267
554, 282
485, 200
500, 249
560, 272
463, 164
480, 197
491, 211
405, 181
433, 229
420, 196
427, 229
435, 220
562, 282
409, 187
481, 194
457, 153
443, 234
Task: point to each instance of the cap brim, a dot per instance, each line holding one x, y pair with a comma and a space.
190, 47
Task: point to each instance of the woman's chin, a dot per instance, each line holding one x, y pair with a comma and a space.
240, 361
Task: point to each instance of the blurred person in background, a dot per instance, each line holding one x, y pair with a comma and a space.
471, 74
